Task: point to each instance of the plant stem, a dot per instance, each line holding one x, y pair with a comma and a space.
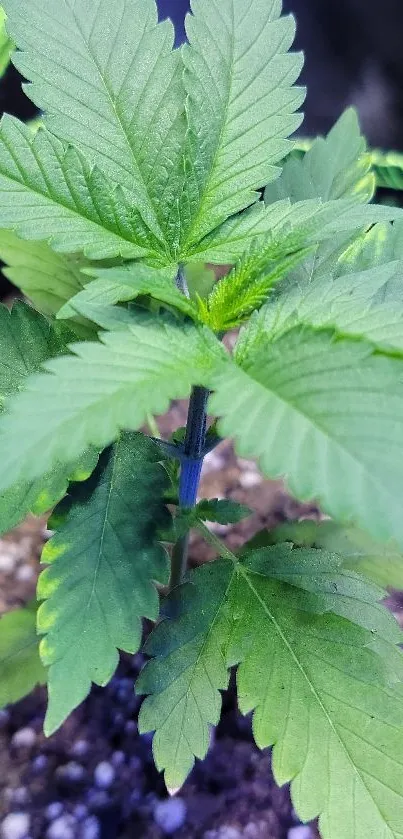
190, 474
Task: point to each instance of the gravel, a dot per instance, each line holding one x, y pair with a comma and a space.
104, 775
25, 738
15, 826
302, 831
62, 828
170, 815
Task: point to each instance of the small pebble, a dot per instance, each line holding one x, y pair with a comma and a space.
90, 828
71, 771
15, 826
24, 738
53, 811
104, 775
20, 796
62, 828
79, 748
7, 563
25, 573
98, 799
170, 815
302, 831
131, 727
40, 763
118, 759
249, 480
80, 812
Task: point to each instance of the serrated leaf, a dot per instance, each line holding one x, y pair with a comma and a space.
316, 689
104, 388
248, 285
388, 167
220, 510
336, 166
382, 563
322, 407
39, 495
27, 340
110, 84
20, 666
121, 284
6, 44
46, 277
103, 562
364, 304
237, 134
48, 191
311, 220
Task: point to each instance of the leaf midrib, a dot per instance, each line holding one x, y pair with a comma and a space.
119, 121
311, 686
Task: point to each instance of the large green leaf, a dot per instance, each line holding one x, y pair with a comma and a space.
103, 388
20, 666
104, 560
27, 340
336, 166
311, 220
46, 277
241, 106
317, 690
366, 304
48, 191
123, 283
328, 414
108, 81
382, 563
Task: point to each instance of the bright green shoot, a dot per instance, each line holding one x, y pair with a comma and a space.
149, 163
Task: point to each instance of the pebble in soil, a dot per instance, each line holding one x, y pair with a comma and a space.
92, 780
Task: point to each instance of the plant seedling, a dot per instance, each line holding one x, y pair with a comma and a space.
148, 164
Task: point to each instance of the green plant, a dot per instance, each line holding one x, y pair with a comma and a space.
150, 163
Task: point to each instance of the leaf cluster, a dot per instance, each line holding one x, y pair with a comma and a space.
150, 163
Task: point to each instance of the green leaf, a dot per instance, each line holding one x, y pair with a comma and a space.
48, 191
327, 413
6, 44
27, 340
237, 134
110, 84
365, 304
317, 690
46, 277
20, 666
220, 510
388, 168
382, 563
104, 388
312, 221
120, 284
103, 562
337, 166
39, 495
248, 285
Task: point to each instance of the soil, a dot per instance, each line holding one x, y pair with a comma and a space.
56, 782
